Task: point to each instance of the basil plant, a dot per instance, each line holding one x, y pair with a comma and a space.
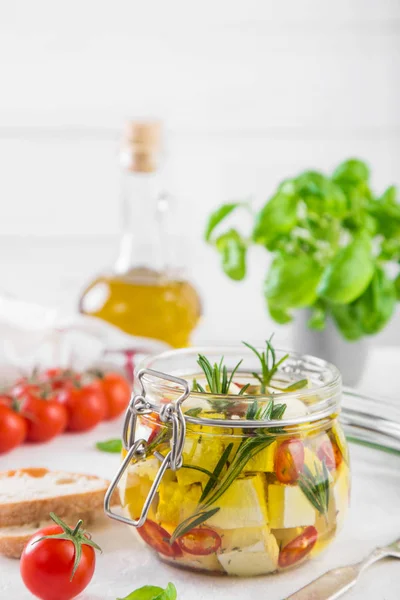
331, 240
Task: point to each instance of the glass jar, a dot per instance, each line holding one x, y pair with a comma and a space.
213, 483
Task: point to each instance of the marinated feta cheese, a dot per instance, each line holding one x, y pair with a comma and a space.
201, 563
289, 507
203, 451
341, 494
258, 559
148, 467
232, 539
132, 492
295, 408
177, 502
284, 536
263, 462
242, 505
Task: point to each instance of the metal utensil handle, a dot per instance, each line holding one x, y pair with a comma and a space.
170, 412
333, 584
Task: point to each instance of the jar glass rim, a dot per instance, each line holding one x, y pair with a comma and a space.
322, 400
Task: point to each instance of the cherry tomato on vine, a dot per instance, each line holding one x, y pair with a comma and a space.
289, 460
51, 568
24, 387
45, 418
298, 548
158, 538
86, 406
13, 429
200, 541
58, 378
117, 392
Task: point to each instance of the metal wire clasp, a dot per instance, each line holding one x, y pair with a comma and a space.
170, 412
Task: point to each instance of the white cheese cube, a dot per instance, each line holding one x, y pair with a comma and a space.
289, 507
253, 560
341, 489
242, 505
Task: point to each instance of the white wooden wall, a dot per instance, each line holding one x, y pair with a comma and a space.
251, 91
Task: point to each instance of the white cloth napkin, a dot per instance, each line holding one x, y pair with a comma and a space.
33, 336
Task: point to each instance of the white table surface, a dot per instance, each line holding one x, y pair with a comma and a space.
126, 564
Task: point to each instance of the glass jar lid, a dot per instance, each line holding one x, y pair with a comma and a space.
317, 398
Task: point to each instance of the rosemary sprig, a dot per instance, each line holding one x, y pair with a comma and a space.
270, 412
192, 522
316, 487
269, 366
217, 375
217, 472
193, 412
244, 389
247, 449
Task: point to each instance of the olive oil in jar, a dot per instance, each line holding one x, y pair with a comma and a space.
146, 293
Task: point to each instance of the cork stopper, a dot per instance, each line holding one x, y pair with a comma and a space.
141, 146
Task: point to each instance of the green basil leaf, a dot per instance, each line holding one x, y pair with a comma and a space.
386, 211
321, 195
346, 319
397, 286
170, 592
147, 592
232, 249
277, 217
389, 196
317, 320
292, 281
351, 171
113, 446
377, 304
217, 216
279, 315
349, 273
390, 249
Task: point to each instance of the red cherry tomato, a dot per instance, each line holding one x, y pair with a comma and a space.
338, 454
330, 452
289, 460
298, 548
45, 418
200, 541
158, 538
86, 406
117, 392
6, 400
153, 422
13, 429
47, 565
325, 453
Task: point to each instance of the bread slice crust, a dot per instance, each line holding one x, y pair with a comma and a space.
23, 512
20, 517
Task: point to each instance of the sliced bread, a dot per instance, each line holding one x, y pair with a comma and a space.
28, 496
